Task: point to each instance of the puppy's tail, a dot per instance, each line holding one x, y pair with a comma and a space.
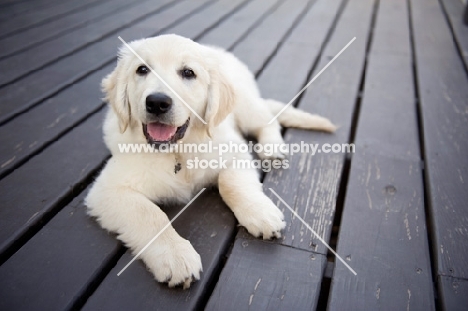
293, 117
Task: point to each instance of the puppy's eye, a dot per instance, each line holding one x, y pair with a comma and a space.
187, 73
142, 70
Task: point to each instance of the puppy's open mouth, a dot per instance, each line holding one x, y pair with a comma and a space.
157, 133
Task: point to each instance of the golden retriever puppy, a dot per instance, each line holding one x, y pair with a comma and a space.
150, 108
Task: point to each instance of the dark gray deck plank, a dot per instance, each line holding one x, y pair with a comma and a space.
388, 121
310, 185
13, 8
443, 91
265, 276
383, 231
289, 67
453, 293
43, 123
24, 21
58, 27
383, 237
208, 18
269, 33
42, 54
240, 23
223, 292
454, 10
42, 84
47, 179
209, 225
55, 267
26, 135
285, 290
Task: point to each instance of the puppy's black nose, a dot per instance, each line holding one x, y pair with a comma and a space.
158, 103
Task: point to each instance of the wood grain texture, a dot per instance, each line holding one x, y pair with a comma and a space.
45, 53
206, 19
34, 190
383, 238
465, 15
42, 15
27, 134
453, 293
311, 183
388, 121
240, 23
59, 27
238, 287
11, 9
40, 85
288, 69
443, 95
383, 233
266, 276
209, 225
456, 11
259, 44
56, 266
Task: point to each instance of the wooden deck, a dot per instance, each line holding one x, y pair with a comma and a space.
396, 210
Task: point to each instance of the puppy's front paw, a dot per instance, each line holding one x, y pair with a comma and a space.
278, 151
263, 219
175, 262
273, 147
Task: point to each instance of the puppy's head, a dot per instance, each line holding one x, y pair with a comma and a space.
163, 84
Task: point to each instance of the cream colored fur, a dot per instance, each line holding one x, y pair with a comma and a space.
124, 197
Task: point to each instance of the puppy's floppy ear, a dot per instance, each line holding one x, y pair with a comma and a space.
221, 99
115, 91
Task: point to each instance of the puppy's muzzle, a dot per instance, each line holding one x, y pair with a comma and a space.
158, 104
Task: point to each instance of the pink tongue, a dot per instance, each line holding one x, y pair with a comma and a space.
161, 132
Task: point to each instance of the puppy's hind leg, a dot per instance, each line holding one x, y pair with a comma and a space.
270, 134
254, 121
293, 117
